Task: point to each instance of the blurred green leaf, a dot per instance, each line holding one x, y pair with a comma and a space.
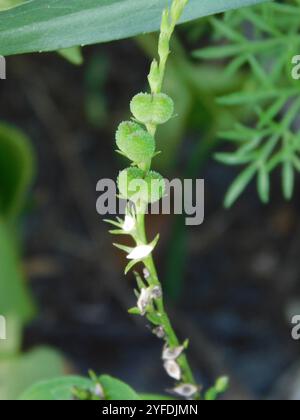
16, 170
19, 373
61, 389
45, 26
114, 389
239, 185
263, 184
288, 179
15, 300
72, 54
56, 389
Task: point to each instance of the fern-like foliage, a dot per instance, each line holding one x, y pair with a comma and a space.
262, 42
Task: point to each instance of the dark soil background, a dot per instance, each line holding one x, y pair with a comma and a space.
241, 281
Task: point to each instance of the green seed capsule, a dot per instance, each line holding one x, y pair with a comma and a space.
152, 109
136, 143
156, 186
126, 181
134, 185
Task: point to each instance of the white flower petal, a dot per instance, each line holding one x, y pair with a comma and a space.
144, 300
140, 252
129, 224
173, 370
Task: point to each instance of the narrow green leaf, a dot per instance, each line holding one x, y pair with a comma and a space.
17, 166
288, 179
130, 266
239, 185
124, 248
72, 54
233, 158
134, 311
248, 98
263, 184
41, 25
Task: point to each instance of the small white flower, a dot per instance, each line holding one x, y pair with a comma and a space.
144, 300
129, 224
172, 354
185, 390
146, 273
140, 252
173, 369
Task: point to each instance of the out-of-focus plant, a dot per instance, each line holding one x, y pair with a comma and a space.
17, 167
263, 42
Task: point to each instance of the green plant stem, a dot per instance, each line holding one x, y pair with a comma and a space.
170, 335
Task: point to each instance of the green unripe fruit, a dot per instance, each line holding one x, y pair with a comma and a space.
152, 109
156, 186
134, 185
126, 181
136, 143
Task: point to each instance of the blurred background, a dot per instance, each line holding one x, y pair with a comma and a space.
232, 284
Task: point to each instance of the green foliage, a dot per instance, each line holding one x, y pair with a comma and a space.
16, 170
74, 387
35, 26
20, 372
72, 54
15, 300
217, 390
269, 97
56, 389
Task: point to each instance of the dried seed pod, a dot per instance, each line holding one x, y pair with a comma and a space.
156, 292
173, 369
172, 354
152, 109
159, 332
134, 142
144, 300
185, 390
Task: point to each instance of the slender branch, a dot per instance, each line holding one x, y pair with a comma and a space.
138, 145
